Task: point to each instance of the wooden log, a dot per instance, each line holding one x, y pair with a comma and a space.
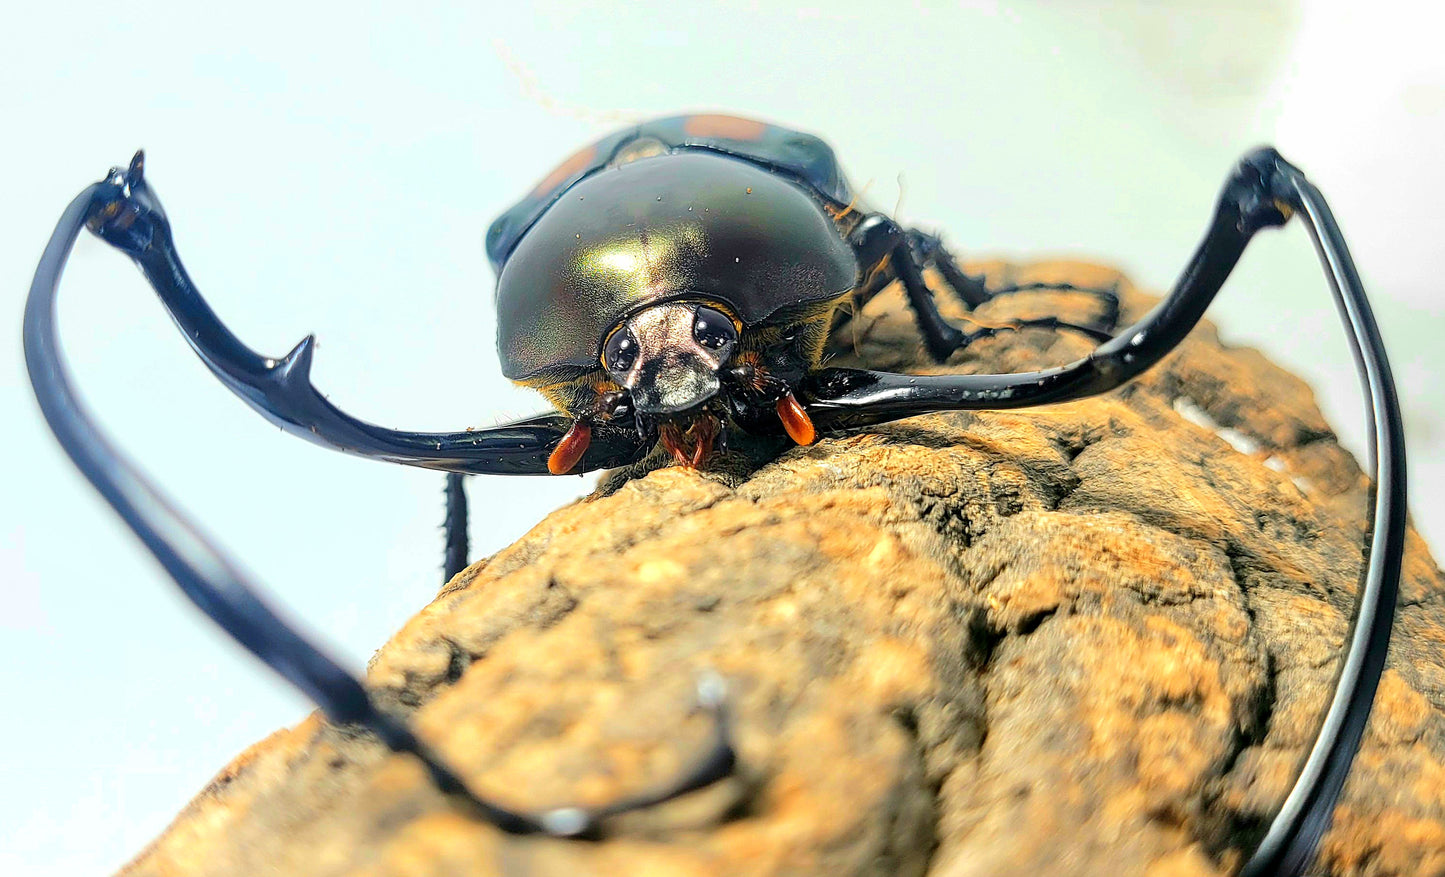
1089, 639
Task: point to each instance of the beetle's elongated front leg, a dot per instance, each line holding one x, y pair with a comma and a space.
215, 583
1260, 194
1263, 191
127, 214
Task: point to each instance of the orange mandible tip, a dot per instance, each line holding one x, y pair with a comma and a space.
796, 420
570, 449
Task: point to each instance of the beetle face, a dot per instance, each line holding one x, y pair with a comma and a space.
668, 356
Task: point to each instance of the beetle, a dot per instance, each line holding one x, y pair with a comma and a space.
665, 286
685, 273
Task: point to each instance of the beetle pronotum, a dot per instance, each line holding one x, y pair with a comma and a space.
663, 286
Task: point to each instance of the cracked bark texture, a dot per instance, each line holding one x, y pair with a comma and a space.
1092, 638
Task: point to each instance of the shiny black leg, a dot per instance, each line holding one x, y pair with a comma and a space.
1107, 322
908, 251
454, 557
127, 214
929, 250
877, 237
988, 331
1263, 191
844, 397
212, 580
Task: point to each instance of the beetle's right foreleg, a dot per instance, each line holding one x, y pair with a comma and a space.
121, 209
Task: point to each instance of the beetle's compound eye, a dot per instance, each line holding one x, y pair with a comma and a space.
712, 329
620, 352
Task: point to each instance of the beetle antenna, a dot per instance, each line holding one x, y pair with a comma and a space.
533, 90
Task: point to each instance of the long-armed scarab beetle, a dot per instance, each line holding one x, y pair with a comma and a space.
667, 285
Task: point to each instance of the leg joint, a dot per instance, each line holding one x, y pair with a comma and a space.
874, 238
1261, 191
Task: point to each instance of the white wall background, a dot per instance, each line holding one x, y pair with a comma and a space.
333, 170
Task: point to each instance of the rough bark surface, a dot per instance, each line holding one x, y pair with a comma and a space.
1087, 639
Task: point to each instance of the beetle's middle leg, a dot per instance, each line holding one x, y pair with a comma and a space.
877, 240
880, 243
928, 249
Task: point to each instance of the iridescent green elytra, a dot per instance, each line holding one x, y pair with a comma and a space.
734, 213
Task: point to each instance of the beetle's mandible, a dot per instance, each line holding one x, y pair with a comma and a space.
666, 286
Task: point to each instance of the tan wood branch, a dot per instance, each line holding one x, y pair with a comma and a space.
1090, 639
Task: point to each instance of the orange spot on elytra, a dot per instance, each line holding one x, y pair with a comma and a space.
570, 449
575, 162
796, 420
729, 127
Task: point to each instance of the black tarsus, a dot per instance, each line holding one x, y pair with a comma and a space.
1263, 191
209, 578
1110, 298
928, 249
454, 555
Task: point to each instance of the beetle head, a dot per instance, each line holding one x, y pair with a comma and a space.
668, 356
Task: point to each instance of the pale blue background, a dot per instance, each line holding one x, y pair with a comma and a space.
333, 170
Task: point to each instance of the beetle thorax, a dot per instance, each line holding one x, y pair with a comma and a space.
692, 225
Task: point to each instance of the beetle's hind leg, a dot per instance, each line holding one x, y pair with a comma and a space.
457, 544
